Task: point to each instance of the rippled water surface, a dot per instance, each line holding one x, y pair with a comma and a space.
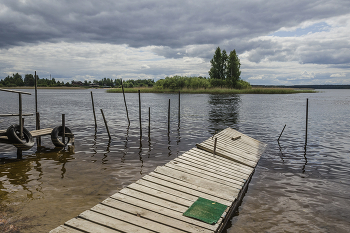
294, 188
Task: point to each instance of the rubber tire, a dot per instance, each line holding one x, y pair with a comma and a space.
13, 136
56, 133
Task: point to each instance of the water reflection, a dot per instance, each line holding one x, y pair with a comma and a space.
19, 173
224, 111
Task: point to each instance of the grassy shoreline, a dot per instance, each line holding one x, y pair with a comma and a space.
215, 90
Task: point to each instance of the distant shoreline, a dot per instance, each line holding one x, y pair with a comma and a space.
214, 90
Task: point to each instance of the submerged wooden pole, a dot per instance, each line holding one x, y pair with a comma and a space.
307, 116
93, 109
126, 107
63, 128
104, 119
169, 117
140, 112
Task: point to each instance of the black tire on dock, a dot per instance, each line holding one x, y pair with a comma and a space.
56, 133
13, 133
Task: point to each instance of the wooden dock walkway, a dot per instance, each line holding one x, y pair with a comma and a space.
34, 133
156, 202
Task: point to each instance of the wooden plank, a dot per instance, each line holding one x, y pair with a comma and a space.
192, 187
172, 190
14, 114
153, 199
187, 190
249, 140
161, 194
143, 213
236, 145
207, 175
235, 168
205, 166
159, 208
241, 145
106, 215
222, 146
64, 229
41, 132
224, 154
199, 181
88, 226
221, 161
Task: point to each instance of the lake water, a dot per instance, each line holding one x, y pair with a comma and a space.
294, 188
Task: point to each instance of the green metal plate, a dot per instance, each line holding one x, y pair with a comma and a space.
206, 210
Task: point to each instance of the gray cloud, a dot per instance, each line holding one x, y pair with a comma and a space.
95, 37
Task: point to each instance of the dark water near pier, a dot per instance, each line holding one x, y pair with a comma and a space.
292, 190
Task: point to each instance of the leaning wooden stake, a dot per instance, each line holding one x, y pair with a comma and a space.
126, 107
281, 133
104, 119
93, 109
140, 113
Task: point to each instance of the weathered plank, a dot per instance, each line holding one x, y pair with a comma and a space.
190, 186
105, 215
185, 190
64, 229
210, 168
41, 132
159, 207
209, 176
229, 163
219, 152
196, 180
144, 213
195, 158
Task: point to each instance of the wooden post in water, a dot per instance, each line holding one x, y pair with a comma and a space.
63, 128
169, 117
104, 119
126, 107
38, 139
149, 120
36, 98
307, 116
179, 109
93, 109
20, 116
140, 112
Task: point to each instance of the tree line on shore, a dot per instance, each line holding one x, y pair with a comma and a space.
16, 80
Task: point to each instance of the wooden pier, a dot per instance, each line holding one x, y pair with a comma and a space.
157, 202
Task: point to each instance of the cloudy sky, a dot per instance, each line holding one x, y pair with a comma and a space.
279, 42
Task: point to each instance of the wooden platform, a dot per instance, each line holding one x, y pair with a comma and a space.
34, 133
156, 202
